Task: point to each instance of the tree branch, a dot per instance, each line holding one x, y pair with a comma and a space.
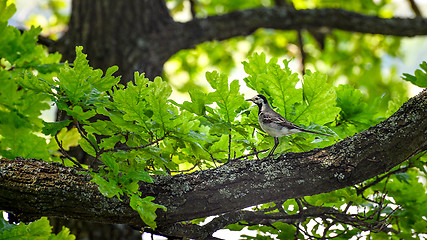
264, 218
245, 22
415, 8
33, 188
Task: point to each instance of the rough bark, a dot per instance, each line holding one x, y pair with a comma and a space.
33, 188
140, 35
134, 35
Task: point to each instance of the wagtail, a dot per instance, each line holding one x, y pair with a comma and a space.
273, 123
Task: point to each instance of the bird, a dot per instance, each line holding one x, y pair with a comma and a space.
275, 124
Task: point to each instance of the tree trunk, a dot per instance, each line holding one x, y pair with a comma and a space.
130, 34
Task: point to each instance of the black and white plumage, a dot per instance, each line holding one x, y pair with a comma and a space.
273, 123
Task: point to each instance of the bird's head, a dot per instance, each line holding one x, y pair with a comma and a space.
258, 100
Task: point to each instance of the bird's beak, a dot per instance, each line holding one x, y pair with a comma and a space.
250, 99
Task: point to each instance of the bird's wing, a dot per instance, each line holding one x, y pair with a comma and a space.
272, 117
276, 118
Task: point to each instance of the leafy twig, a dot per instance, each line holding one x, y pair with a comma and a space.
187, 170
379, 179
132, 148
65, 152
214, 160
84, 137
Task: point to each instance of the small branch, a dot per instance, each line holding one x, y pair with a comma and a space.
100, 151
278, 206
379, 179
193, 8
348, 206
325, 231
197, 164
85, 138
297, 230
250, 154
132, 148
300, 207
229, 147
302, 52
187, 170
41, 39
65, 152
281, 3
415, 8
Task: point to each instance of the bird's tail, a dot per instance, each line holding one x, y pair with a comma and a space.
324, 134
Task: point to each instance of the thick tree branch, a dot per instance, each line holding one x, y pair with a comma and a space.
145, 43
244, 22
32, 188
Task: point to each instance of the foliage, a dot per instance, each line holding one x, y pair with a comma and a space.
344, 57
51, 15
20, 105
138, 132
420, 78
38, 230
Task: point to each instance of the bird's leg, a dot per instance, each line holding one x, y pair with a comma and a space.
276, 142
